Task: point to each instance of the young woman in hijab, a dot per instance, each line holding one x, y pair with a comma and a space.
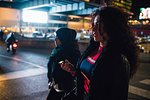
66, 48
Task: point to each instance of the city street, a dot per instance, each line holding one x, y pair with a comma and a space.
23, 75
32, 26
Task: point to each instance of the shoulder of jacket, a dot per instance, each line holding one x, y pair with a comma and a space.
126, 63
124, 59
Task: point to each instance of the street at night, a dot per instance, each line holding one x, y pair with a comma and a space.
31, 29
23, 76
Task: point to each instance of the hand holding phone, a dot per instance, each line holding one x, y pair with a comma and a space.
67, 66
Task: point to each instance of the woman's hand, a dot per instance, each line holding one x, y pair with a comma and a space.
67, 66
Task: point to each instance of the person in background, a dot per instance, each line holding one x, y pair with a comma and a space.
1, 34
105, 68
66, 48
10, 39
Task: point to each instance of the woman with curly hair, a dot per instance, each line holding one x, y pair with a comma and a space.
105, 68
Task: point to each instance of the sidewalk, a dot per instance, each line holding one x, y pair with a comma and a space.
144, 57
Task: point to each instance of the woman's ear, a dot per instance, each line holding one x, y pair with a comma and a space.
102, 27
105, 35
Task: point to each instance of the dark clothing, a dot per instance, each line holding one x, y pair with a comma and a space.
61, 53
1, 34
10, 39
109, 77
66, 35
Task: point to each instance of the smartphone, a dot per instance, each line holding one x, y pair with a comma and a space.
61, 62
71, 66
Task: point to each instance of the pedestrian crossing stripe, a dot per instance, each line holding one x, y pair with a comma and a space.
21, 61
41, 70
146, 81
24, 73
139, 91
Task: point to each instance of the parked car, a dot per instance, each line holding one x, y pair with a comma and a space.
50, 36
141, 48
38, 34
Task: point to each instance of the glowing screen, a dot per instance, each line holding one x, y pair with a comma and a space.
34, 16
144, 13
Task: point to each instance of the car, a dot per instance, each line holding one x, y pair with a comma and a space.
37, 34
86, 36
81, 36
50, 36
148, 39
141, 48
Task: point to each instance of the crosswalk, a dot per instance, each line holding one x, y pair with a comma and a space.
139, 91
38, 71
146, 81
22, 74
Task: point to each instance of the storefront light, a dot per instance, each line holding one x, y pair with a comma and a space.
147, 21
86, 0
130, 21
51, 3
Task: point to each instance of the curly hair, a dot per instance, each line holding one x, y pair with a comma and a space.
117, 28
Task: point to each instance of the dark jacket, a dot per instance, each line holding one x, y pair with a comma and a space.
109, 79
60, 53
10, 38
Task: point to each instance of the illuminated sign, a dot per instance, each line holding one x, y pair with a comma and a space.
123, 4
35, 16
144, 13
86, 0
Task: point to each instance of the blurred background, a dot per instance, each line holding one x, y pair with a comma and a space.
34, 22
41, 18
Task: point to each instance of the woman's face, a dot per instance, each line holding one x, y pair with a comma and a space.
57, 41
95, 30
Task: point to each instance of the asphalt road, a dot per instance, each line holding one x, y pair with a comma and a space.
23, 75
